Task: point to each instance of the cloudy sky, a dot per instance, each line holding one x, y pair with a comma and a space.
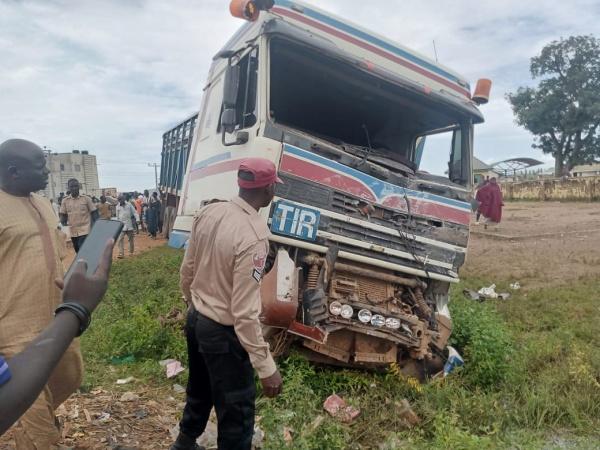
110, 76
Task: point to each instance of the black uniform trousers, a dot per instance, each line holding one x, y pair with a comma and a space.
78, 242
220, 375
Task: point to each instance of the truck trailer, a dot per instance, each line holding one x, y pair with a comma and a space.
365, 244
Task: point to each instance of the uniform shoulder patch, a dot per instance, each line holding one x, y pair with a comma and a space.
259, 259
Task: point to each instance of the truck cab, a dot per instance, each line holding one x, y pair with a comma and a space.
365, 243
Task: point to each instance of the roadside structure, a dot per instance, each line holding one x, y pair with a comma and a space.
586, 170
78, 164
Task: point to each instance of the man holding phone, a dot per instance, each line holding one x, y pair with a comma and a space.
79, 213
31, 252
220, 277
23, 376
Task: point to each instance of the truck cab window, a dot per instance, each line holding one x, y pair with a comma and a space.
245, 106
321, 95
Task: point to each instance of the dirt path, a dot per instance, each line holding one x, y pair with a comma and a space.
142, 241
538, 244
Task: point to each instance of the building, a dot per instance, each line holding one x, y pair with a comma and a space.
586, 170
177, 143
481, 171
64, 166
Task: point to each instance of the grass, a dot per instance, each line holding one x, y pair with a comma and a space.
531, 377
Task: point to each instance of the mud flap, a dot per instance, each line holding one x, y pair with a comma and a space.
279, 292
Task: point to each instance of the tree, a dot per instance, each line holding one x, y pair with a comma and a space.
563, 112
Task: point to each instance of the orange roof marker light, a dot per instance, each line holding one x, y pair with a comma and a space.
249, 9
482, 91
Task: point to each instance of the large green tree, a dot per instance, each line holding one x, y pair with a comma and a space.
563, 112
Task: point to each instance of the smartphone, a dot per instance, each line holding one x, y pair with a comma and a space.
93, 247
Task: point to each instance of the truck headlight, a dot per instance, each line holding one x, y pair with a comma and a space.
347, 312
392, 322
364, 315
378, 320
335, 308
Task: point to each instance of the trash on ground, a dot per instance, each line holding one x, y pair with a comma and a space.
258, 438
406, 413
485, 293
174, 368
129, 397
119, 360
125, 380
208, 439
179, 389
104, 417
287, 435
337, 407
488, 292
454, 361
515, 286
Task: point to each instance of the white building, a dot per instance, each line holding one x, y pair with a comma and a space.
586, 170
64, 166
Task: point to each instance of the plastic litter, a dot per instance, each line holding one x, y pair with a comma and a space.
337, 407
515, 286
125, 380
454, 361
174, 368
488, 292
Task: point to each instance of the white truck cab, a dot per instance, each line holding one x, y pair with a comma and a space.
364, 244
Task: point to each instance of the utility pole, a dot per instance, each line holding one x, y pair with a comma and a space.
156, 166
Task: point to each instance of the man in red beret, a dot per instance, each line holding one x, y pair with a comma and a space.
220, 278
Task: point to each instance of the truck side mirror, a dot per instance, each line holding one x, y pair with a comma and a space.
228, 120
230, 93
231, 85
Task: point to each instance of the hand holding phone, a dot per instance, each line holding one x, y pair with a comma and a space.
89, 290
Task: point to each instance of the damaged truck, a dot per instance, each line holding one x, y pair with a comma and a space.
365, 244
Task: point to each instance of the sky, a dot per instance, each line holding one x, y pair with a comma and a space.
112, 76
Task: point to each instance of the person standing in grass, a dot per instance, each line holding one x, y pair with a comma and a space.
31, 253
220, 279
126, 214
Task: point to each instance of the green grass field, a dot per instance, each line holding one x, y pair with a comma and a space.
531, 377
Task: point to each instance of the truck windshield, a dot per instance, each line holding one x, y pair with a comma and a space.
363, 113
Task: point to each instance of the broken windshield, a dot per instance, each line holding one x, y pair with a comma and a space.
361, 113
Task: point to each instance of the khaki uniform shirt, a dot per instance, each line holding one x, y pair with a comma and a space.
222, 269
79, 212
31, 253
104, 211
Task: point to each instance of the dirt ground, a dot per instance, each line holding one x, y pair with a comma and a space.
142, 242
537, 244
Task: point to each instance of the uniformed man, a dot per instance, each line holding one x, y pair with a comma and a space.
220, 277
79, 213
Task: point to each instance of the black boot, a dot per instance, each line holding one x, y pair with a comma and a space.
184, 442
